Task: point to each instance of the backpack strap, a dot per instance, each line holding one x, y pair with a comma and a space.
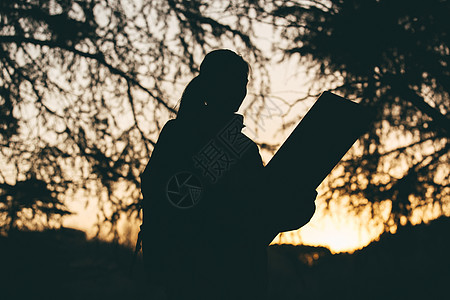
137, 248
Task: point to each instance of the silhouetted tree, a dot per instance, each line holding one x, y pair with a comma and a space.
394, 57
86, 85
29, 203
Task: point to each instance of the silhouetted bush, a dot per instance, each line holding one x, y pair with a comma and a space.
62, 264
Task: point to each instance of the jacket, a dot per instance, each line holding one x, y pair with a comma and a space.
210, 212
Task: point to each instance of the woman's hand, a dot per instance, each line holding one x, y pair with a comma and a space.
296, 206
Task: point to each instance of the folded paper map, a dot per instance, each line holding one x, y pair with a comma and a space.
320, 140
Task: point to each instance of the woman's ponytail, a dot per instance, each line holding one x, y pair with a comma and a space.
192, 101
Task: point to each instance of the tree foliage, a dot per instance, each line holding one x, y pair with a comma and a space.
30, 203
85, 87
394, 57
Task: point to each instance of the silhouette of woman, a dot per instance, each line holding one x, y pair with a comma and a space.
209, 212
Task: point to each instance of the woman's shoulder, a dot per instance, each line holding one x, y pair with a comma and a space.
178, 125
252, 154
251, 145
171, 128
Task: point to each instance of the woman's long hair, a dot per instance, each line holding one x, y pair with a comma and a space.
221, 65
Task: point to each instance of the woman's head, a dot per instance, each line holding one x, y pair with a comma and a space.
220, 87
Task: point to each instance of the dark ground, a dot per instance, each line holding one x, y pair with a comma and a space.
62, 264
